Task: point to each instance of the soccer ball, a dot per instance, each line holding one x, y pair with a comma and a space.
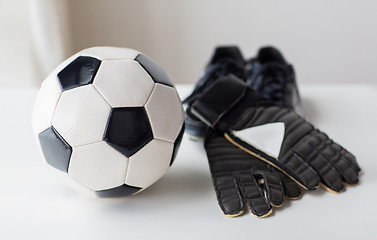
110, 119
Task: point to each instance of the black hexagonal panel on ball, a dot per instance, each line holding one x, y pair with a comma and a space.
177, 144
157, 73
56, 150
79, 72
128, 130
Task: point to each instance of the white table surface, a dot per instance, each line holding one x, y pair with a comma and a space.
182, 204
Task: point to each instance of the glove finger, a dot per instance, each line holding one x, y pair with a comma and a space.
351, 158
336, 148
273, 188
228, 195
308, 149
291, 189
303, 173
252, 193
330, 177
340, 158
342, 162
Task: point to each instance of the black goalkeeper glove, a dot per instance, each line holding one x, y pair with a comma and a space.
275, 135
240, 178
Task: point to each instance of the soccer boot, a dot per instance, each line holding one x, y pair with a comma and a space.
272, 77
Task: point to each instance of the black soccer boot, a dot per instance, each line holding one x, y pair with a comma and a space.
271, 76
225, 60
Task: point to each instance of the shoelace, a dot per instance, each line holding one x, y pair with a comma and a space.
270, 80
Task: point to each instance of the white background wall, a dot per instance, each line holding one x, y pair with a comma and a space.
327, 41
15, 51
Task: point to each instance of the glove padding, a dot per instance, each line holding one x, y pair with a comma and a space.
240, 178
291, 144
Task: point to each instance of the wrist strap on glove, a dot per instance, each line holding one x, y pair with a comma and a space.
226, 98
219, 100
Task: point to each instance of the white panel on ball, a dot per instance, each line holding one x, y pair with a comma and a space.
149, 164
45, 104
123, 83
81, 116
165, 112
105, 53
98, 166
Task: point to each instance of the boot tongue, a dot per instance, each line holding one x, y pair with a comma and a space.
231, 53
270, 55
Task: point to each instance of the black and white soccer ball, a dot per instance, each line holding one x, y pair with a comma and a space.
110, 120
